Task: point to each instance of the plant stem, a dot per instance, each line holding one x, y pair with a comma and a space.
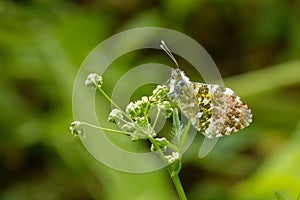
106, 129
177, 184
160, 153
113, 103
174, 176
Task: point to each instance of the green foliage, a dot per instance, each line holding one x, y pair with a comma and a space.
178, 132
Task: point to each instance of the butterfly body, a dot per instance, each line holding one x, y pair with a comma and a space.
214, 110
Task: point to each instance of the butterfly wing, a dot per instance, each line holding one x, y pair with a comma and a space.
223, 113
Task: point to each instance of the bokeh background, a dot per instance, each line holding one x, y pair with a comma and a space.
255, 44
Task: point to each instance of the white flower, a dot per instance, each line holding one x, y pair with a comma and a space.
93, 80
145, 99
76, 130
130, 107
115, 115
171, 158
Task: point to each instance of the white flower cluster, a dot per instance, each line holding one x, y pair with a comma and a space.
138, 111
94, 80
138, 122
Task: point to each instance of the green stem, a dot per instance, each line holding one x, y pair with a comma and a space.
178, 185
148, 104
173, 147
160, 153
126, 122
113, 103
106, 129
174, 176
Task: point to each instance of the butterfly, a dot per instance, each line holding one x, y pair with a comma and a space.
213, 110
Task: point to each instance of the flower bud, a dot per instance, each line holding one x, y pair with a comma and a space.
94, 80
76, 130
114, 116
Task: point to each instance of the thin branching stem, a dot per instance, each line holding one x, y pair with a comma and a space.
105, 129
113, 103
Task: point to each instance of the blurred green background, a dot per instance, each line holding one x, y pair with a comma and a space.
255, 44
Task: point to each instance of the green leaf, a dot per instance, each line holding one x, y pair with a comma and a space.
176, 128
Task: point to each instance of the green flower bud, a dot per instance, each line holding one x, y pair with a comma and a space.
141, 121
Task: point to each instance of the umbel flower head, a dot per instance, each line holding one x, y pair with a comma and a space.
94, 80
160, 93
136, 120
160, 99
138, 111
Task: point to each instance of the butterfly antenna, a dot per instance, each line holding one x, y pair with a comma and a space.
164, 47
